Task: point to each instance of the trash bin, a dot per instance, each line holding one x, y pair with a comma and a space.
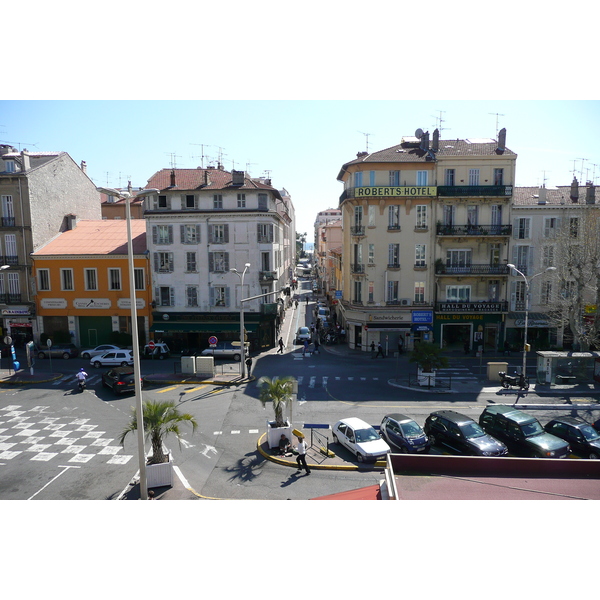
493, 368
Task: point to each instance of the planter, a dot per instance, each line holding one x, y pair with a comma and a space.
160, 475
426, 378
274, 433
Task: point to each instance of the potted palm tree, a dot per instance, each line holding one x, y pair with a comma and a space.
160, 419
279, 391
428, 358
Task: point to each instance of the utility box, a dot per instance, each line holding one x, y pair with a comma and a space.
205, 366
493, 368
188, 365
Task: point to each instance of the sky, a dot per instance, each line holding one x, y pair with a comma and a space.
300, 144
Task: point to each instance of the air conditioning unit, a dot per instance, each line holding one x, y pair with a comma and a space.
405, 301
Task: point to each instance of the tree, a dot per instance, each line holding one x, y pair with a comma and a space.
278, 391
300, 242
428, 357
160, 419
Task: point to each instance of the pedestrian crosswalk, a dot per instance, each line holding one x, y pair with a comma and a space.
314, 381
67, 380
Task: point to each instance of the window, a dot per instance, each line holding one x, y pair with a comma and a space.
218, 262
371, 257
43, 280
449, 213
546, 294
218, 201
162, 234
241, 200
568, 290
498, 176
265, 233
219, 234
392, 291
371, 178
395, 178
10, 247
523, 258
163, 262
190, 262
457, 259
190, 201
421, 177
420, 292
372, 215
358, 179
523, 228
265, 261
263, 202
66, 279
91, 279
358, 215
473, 176
358, 291
139, 278
574, 227
472, 215
14, 287
219, 295
547, 257
371, 291
114, 279
9, 166
449, 177
550, 227
420, 252
394, 255
190, 234
162, 202
421, 216
458, 293
191, 295
165, 296
495, 254
8, 211
394, 217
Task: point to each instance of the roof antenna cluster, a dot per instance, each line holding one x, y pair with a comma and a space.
497, 115
367, 138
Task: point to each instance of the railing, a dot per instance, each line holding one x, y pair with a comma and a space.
394, 265
10, 260
7, 222
485, 306
267, 275
471, 269
10, 298
504, 230
474, 190
357, 230
394, 227
356, 268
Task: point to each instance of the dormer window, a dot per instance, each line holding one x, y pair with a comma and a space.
9, 166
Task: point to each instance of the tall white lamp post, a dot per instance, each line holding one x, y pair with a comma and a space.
139, 409
527, 306
242, 331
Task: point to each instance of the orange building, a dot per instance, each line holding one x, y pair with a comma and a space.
82, 284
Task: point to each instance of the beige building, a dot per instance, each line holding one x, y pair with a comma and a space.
426, 229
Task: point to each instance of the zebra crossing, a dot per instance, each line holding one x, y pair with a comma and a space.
67, 380
314, 381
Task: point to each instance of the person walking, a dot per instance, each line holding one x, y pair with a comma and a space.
380, 351
400, 345
301, 458
281, 346
373, 349
249, 365
304, 347
317, 345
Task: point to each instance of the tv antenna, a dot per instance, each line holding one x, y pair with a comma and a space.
366, 136
174, 158
439, 121
580, 172
497, 115
202, 155
267, 173
248, 164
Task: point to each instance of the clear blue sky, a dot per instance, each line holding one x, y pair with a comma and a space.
302, 144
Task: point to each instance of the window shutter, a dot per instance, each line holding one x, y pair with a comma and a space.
211, 292
198, 233
157, 296
211, 265
211, 234
226, 233
530, 259
171, 262
182, 233
154, 235
171, 296
516, 229
226, 261
156, 262
227, 296
170, 234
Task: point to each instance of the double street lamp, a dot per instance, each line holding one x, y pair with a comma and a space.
527, 306
242, 330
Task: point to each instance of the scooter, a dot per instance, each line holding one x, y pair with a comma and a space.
508, 381
81, 385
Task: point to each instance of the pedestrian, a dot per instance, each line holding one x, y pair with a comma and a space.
373, 349
151, 495
380, 351
306, 299
304, 347
301, 459
281, 346
317, 345
295, 303
249, 365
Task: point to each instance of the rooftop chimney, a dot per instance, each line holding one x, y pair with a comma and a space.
501, 141
84, 166
362, 154
435, 146
590, 193
26, 162
206, 178
425, 141
172, 177
574, 190
542, 195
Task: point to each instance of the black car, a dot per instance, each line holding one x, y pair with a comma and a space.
402, 432
119, 380
461, 434
580, 435
522, 433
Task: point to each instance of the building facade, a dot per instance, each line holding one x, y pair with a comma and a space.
42, 194
201, 224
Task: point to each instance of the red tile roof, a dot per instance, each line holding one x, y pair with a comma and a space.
97, 237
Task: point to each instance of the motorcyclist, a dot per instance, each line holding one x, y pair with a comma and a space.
81, 376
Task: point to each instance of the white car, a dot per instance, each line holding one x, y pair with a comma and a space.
302, 334
227, 349
123, 358
102, 349
361, 439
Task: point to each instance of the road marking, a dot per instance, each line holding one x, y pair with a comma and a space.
312, 382
195, 389
325, 381
65, 468
174, 387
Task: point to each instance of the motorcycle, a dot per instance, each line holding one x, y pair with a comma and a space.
509, 381
81, 385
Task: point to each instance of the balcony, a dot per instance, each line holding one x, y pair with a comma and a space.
453, 191
394, 265
10, 260
10, 299
473, 230
357, 230
442, 269
475, 307
357, 269
267, 275
7, 222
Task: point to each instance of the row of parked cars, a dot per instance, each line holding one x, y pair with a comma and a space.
501, 430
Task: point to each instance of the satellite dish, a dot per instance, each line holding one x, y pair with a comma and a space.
419, 133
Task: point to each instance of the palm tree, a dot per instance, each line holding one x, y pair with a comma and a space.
428, 357
278, 391
160, 419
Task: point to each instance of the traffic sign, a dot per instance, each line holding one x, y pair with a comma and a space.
151, 345
212, 340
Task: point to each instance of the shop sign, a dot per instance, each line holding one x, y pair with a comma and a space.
531, 323
15, 312
392, 317
92, 303
422, 316
469, 306
403, 191
56, 303
125, 303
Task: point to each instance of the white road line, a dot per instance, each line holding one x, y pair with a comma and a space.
65, 468
312, 382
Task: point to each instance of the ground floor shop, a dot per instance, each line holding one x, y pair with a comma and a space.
540, 333
19, 323
469, 331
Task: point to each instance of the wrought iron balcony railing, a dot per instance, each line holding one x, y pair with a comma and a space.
475, 190
267, 275
358, 230
357, 268
471, 269
502, 230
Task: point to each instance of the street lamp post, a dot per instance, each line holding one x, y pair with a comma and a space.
527, 307
242, 331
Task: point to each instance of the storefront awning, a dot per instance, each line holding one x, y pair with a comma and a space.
200, 327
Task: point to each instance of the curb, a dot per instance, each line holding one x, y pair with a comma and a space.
30, 381
188, 381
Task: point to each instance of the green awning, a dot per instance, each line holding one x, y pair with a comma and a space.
213, 328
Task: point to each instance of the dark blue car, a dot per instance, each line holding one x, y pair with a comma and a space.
403, 433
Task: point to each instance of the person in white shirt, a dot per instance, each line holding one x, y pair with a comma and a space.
301, 459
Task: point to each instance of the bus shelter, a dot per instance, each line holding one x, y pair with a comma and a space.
562, 367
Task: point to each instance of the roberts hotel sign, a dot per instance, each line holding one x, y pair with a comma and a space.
404, 192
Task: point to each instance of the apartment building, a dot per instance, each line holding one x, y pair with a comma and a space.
426, 234
201, 224
328, 240
42, 194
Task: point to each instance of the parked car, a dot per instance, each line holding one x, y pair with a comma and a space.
160, 351
123, 358
361, 439
404, 433
461, 434
579, 434
302, 334
65, 351
522, 433
120, 380
102, 349
227, 350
